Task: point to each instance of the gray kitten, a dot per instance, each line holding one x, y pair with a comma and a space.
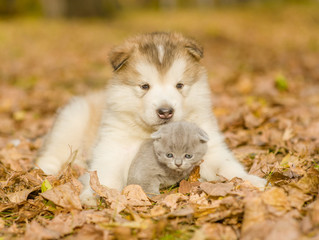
168, 157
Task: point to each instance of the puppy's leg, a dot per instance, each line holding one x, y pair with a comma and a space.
67, 133
220, 160
112, 158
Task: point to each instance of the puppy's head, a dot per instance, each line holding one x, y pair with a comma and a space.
154, 74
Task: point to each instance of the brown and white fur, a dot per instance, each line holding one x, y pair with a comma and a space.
152, 72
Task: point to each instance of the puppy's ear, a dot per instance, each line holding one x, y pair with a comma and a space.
194, 49
203, 136
119, 56
156, 135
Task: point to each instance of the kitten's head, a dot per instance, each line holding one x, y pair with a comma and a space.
180, 145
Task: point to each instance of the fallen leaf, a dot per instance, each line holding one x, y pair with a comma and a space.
157, 210
255, 211
276, 201
216, 189
90, 231
185, 186
314, 213
46, 185
64, 224
172, 200
182, 212
251, 121
20, 196
215, 231
195, 174
284, 228
116, 200
35, 231
136, 196
297, 197
63, 195
308, 184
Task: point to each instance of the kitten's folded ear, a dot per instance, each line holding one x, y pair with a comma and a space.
203, 136
156, 135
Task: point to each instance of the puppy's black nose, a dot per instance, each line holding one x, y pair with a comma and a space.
165, 113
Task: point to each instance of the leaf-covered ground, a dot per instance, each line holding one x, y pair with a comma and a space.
263, 66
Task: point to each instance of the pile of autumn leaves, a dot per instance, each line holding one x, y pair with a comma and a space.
36, 206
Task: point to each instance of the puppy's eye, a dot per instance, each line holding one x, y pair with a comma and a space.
169, 155
189, 156
179, 85
145, 86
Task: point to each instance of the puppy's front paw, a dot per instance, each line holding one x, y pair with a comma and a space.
87, 198
49, 165
257, 181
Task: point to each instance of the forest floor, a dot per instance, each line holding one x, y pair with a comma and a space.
263, 66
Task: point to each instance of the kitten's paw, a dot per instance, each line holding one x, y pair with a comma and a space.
87, 198
257, 181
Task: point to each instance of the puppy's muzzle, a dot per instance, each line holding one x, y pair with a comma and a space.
165, 113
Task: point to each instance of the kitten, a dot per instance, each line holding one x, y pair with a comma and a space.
174, 150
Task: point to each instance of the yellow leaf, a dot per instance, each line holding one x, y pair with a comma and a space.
19, 115
285, 161
46, 185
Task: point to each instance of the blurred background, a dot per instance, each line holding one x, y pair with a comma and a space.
260, 51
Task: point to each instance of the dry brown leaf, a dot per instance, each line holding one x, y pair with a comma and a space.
2, 223
116, 200
251, 121
259, 230
123, 233
172, 200
157, 210
92, 216
285, 228
276, 201
216, 189
66, 223
20, 196
136, 196
186, 211
214, 231
90, 231
195, 174
308, 183
288, 134
63, 195
255, 211
297, 197
186, 187
35, 231
314, 213
199, 199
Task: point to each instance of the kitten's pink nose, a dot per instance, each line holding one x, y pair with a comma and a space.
178, 164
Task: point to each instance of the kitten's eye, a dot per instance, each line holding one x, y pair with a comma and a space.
189, 156
145, 86
169, 155
179, 85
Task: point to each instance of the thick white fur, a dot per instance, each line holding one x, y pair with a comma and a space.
129, 117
